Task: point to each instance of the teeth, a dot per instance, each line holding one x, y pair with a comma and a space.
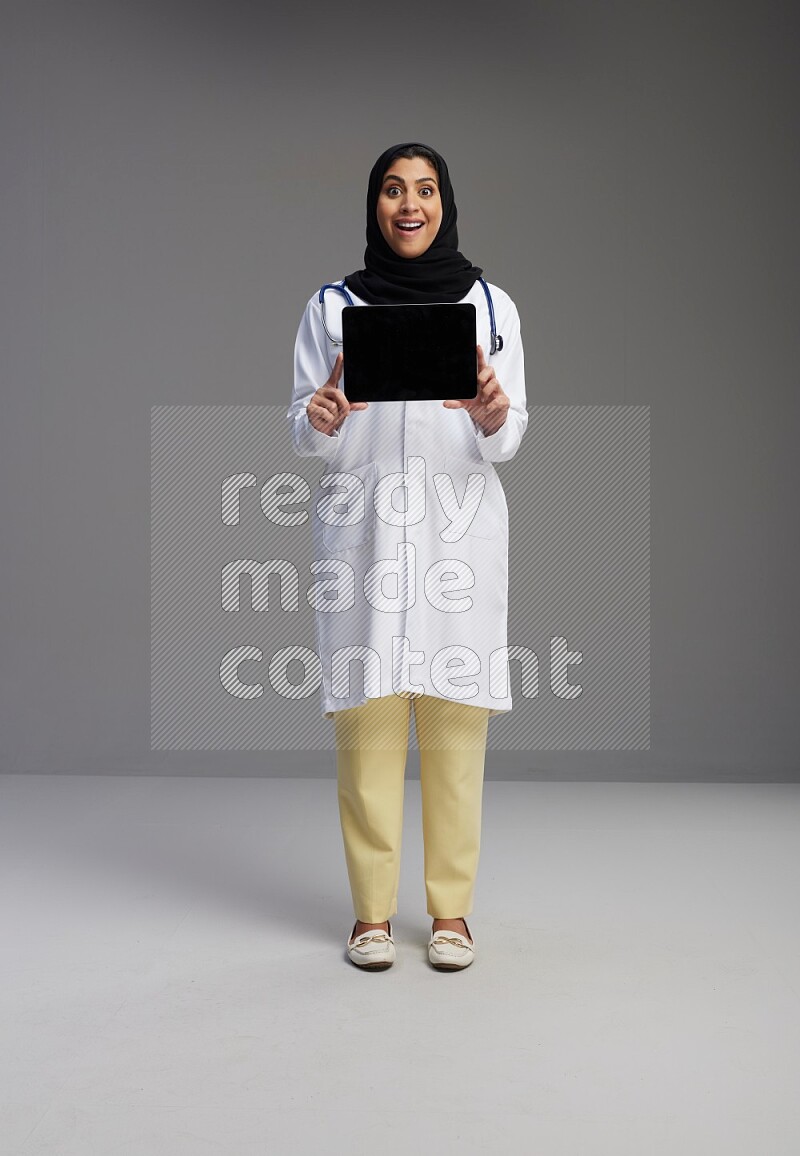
409, 226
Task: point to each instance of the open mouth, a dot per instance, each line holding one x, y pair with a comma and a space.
408, 226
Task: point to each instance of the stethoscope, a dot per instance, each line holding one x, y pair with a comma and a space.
339, 287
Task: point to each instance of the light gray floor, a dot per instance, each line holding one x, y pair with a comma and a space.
174, 980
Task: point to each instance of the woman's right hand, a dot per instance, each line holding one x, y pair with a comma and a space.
329, 407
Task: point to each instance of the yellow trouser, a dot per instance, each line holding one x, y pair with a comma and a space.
371, 749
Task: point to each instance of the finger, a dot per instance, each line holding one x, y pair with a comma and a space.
339, 400
336, 372
452, 404
328, 405
321, 413
500, 405
335, 401
481, 360
490, 389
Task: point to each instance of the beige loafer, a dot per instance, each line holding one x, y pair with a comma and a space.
372, 950
450, 950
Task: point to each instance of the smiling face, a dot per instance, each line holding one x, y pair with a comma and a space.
409, 206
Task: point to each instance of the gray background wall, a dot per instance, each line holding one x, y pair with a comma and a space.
177, 180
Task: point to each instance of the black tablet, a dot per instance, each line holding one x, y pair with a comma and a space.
409, 352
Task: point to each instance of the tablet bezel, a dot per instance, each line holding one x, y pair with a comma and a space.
414, 374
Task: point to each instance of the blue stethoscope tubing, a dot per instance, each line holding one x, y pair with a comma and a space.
339, 287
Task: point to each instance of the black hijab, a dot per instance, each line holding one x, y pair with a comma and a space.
441, 273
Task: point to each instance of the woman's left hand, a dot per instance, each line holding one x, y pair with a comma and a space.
490, 407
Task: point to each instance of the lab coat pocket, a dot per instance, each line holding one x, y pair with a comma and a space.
346, 506
491, 506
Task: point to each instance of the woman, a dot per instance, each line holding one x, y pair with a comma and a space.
436, 568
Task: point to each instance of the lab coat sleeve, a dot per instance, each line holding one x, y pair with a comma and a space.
509, 365
312, 368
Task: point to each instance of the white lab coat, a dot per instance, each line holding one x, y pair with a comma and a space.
456, 619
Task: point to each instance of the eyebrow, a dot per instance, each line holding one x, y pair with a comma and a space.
400, 181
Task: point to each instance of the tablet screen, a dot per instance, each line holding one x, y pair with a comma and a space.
409, 352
